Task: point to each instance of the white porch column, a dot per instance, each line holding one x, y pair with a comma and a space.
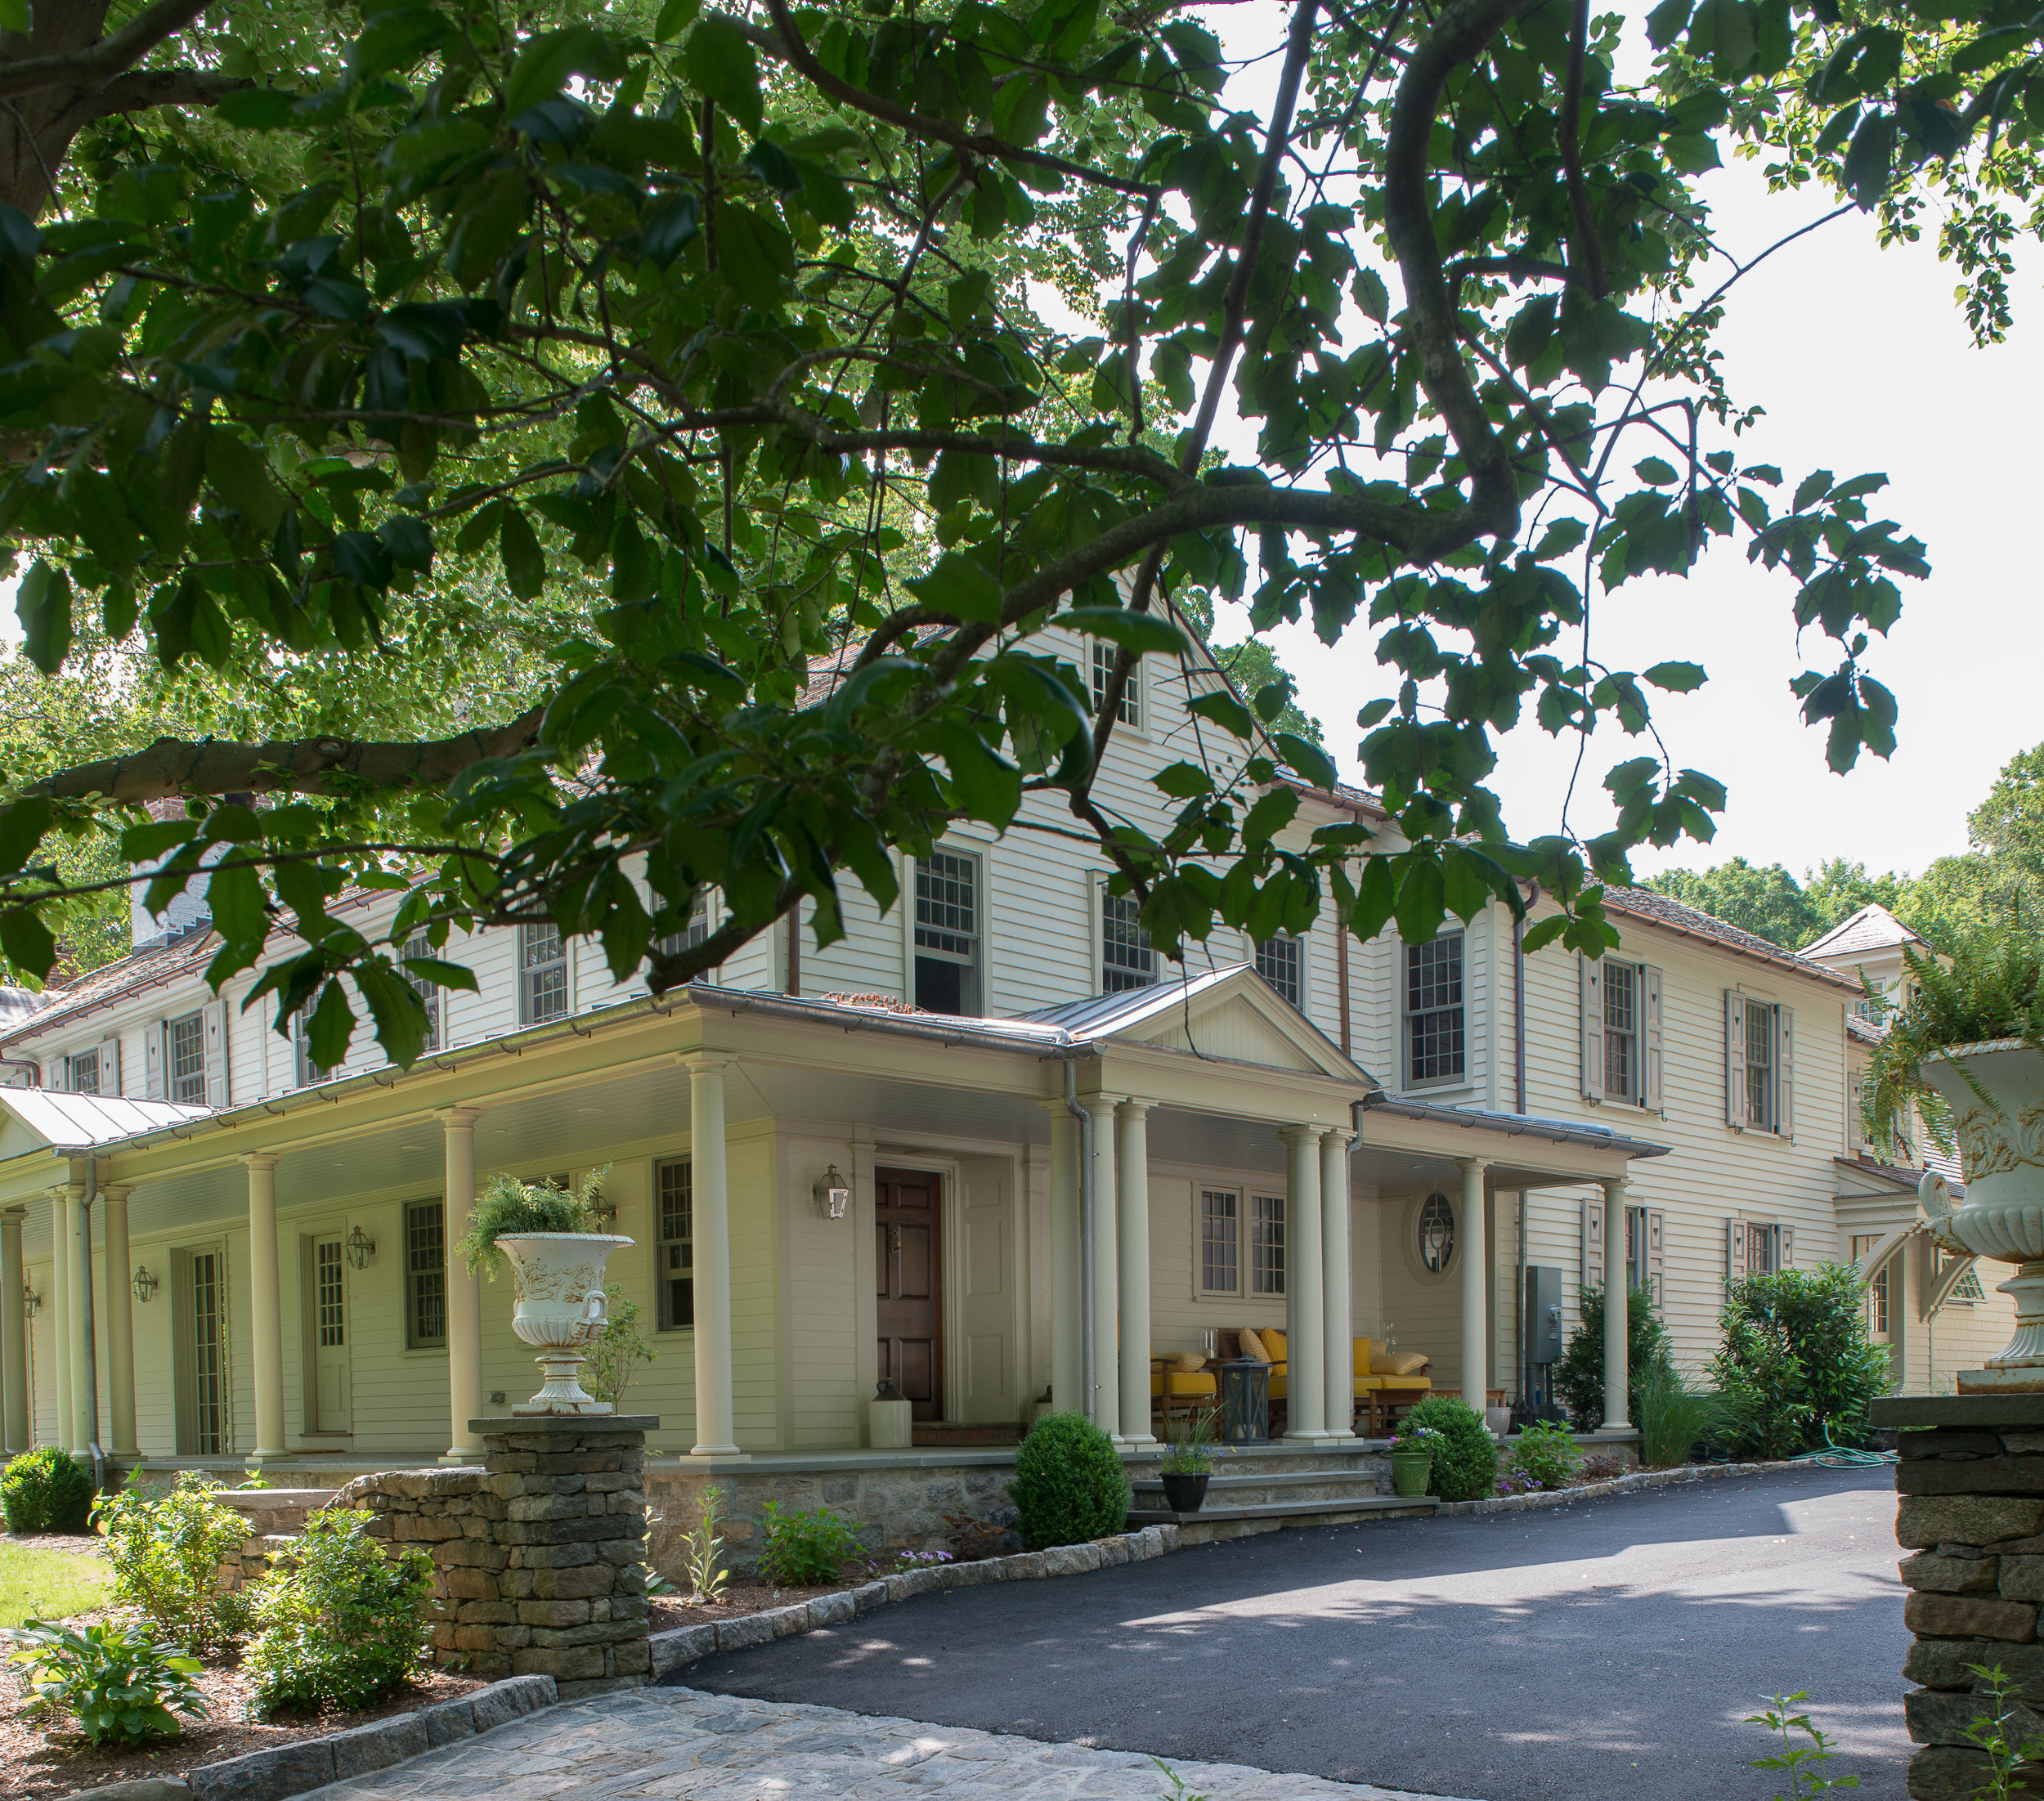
120, 1324
1476, 1288
1067, 1328
265, 1308
709, 1187
1617, 1307
1132, 1196
1105, 1404
14, 1331
1305, 1326
71, 1352
1336, 1305
464, 1290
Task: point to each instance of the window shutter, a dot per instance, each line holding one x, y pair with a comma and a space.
1593, 1272
1734, 1249
110, 1066
153, 1046
1593, 989
1787, 1261
1655, 1217
1785, 1080
1735, 1059
216, 1027
1650, 1038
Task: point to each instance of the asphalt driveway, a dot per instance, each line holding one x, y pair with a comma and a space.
1611, 1649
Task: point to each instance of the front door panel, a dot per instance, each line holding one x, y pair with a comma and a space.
908, 1218
331, 1409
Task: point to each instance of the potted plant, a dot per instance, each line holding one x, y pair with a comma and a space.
556, 1258
1412, 1459
1189, 1464
1966, 1056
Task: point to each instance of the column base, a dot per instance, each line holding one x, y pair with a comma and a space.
1317, 1434
718, 1450
255, 1460
460, 1459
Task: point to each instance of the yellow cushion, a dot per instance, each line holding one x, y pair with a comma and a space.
1252, 1346
1273, 1345
1184, 1383
1189, 1362
1277, 1382
1399, 1363
1362, 1357
1401, 1383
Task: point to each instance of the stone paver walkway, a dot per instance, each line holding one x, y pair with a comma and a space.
679, 1742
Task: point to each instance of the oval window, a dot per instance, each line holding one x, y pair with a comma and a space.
1436, 1233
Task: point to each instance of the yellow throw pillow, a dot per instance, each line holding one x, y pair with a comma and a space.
1250, 1346
1189, 1362
1273, 1346
1378, 1350
1362, 1357
1403, 1363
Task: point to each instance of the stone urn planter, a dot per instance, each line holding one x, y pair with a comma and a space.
2001, 1216
1185, 1490
559, 1307
1411, 1472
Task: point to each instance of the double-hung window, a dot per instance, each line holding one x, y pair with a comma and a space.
1281, 961
185, 1058
542, 973
1220, 1241
1435, 1049
1266, 1244
425, 1274
1127, 961
1130, 712
947, 933
1241, 1249
1877, 1328
1621, 1032
306, 1070
1760, 1065
82, 1071
691, 935
428, 992
675, 1280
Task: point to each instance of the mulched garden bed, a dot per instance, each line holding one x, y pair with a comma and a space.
665, 1612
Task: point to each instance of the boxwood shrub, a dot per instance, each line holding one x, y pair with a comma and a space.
46, 1490
1465, 1462
1070, 1485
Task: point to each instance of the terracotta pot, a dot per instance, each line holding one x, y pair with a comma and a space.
559, 1306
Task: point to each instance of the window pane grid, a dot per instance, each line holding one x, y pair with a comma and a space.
187, 1053
1127, 961
1760, 1064
426, 1274
1218, 1242
209, 1360
675, 1253
1280, 961
1266, 1244
1435, 1049
332, 1309
1621, 1014
1436, 1233
427, 992
543, 972
84, 1072
696, 930
1130, 711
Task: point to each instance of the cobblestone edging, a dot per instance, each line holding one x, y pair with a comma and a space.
681, 1645
286, 1770
1593, 1491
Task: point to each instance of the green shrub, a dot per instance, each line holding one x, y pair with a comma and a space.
1069, 1486
1547, 1453
340, 1623
509, 1206
1465, 1457
1579, 1377
1796, 1360
119, 1683
167, 1548
614, 1358
1672, 1417
804, 1550
46, 1490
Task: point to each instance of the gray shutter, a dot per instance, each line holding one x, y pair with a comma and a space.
215, 1022
1787, 1261
153, 1045
1785, 1077
1592, 1270
110, 1066
1735, 1059
1734, 1249
1650, 1038
1593, 989
1655, 1227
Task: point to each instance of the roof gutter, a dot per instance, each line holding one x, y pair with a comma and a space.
1784, 960
1509, 1126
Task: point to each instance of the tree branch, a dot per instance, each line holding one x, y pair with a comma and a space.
1588, 252
147, 87
98, 65
171, 768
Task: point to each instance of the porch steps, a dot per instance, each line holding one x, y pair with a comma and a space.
1214, 1522
1267, 1491
936, 1433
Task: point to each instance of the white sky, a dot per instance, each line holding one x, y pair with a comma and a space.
1862, 359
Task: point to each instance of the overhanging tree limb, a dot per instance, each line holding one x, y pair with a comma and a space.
98, 63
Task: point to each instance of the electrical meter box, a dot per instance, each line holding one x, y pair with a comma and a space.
1543, 1315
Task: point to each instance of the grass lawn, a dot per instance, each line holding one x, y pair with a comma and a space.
40, 1585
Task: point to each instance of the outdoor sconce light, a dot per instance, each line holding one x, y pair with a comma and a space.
833, 1194
30, 1300
144, 1284
360, 1248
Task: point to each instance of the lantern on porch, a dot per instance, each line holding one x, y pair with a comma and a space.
31, 1302
361, 1247
144, 1284
833, 1194
1245, 1401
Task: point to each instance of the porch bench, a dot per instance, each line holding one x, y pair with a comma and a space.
1375, 1394
1173, 1387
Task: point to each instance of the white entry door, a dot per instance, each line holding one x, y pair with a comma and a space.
332, 1409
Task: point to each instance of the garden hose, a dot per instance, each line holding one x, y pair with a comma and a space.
1840, 1457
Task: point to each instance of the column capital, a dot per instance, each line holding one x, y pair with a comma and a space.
457, 1118
116, 1191
1614, 1186
262, 1159
1473, 1166
1133, 1108
704, 1063
1101, 1103
1301, 1134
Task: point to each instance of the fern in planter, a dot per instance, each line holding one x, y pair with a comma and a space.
507, 1207
1990, 991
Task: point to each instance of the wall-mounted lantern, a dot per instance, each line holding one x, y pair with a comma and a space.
360, 1248
144, 1284
833, 1194
30, 1300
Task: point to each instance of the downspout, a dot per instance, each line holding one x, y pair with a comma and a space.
1089, 1376
1518, 1071
92, 1355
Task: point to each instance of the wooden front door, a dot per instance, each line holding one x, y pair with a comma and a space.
911, 1300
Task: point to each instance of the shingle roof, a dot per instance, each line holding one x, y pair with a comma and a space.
149, 967
1871, 929
1643, 903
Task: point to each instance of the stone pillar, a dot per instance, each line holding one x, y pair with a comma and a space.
1067, 1332
265, 1308
464, 1287
1132, 1191
1476, 1287
1617, 1308
14, 1333
1305, 1327
120, 1325
1971, 1479
1337, 1303
1104, 1405
709, 1187
60, 1242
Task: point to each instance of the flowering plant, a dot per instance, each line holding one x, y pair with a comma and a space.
1518, 1481
907, 1561
1422, 1440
